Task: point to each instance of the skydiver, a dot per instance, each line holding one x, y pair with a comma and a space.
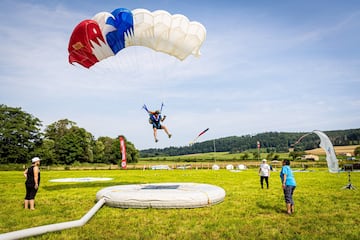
155, 119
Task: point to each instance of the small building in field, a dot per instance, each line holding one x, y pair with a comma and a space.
310, 157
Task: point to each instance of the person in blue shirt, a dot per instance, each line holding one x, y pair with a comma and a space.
155, 119
288, 184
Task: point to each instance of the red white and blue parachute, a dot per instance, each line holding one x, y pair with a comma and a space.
106, 34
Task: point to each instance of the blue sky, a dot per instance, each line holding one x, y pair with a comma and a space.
265, 66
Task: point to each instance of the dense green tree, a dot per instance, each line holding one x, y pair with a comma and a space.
46, 151
72, 143
105, 151
75, 145
58, 129
256, 155
245, 156
19, 135
270, 156
357, 152
132, 154
296, 154
99, 151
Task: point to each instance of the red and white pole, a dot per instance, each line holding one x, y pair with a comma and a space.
123, 152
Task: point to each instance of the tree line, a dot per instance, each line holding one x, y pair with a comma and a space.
270, 142
65, 143
62, 142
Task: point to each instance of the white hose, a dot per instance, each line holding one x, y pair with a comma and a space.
29, 232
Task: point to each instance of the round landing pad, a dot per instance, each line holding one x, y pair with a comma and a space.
162, 195
86, 179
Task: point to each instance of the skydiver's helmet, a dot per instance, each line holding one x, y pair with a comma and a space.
157, 112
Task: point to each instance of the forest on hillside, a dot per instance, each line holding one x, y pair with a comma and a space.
269, 142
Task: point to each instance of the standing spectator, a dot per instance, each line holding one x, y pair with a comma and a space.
32, 175
264, 173
288, 185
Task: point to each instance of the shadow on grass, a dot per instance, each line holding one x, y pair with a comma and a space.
86, 185
269, 206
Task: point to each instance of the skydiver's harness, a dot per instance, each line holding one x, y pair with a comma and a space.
152, 120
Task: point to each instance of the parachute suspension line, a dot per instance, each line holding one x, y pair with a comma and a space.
160, 65
158, 68
162, 105
169, 74
144, 107
147, 110
112, 62
97, 70
133, 60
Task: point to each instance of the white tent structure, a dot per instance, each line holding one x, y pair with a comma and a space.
229, 167
242, 167
215, 167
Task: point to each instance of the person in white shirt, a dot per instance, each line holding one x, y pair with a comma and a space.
264, 173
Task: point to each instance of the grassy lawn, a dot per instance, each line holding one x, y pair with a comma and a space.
323, 209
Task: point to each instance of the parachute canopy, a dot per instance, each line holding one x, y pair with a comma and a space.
106, 34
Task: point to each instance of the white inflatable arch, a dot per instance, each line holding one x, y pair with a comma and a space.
162, 195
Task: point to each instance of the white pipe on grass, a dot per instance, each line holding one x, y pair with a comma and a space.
29, 232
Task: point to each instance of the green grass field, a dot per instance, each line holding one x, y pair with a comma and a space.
323, 209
